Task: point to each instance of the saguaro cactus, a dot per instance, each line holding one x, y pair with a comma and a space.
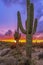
30, 28
17, 35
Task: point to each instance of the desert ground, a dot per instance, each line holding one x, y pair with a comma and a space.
12, 55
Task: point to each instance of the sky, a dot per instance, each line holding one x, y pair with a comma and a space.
8, 14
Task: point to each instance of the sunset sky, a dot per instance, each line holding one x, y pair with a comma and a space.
8, 14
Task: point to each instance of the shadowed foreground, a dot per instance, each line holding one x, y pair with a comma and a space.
12, 55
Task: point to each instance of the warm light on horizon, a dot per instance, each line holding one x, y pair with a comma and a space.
23, 41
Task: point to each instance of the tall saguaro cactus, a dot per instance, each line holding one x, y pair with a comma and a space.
30, 27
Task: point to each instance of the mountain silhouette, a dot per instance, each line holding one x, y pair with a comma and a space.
9, 33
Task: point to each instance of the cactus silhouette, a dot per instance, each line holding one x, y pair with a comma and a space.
30, 25
17, 36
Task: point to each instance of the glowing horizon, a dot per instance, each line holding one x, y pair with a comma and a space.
23, 41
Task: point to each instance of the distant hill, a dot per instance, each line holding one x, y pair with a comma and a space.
9, 36
9, 33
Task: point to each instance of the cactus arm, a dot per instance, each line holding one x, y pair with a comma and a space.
20, 24
35, 26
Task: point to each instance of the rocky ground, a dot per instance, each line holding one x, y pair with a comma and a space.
11, 55
37, 56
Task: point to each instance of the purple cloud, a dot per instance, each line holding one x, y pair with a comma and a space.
7, 2
8, 16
